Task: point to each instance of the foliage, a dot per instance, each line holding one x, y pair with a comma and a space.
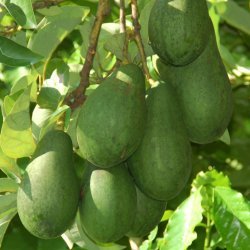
42, 50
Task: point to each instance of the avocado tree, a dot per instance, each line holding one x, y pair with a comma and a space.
124, 124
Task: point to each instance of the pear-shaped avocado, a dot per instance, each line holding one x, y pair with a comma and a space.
204, 93
48, 195
178, 29
148, 215
162, 164
108, 207
111, 121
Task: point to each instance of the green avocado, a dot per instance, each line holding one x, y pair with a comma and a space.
148, 215
162, 164
47, 198
178, 29
108, 207
204, 93
111, 122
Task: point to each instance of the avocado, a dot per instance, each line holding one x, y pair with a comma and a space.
178, 30
111, 122
108, 207
161, 165
204, 93
47, 198
148, 215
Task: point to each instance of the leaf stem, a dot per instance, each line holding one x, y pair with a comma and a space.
138, 40
77, 97
208, 232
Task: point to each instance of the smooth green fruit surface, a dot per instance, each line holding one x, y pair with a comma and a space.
108, 207
148, 215
48, 195
178, 29
162, 164
204, 93
111, 121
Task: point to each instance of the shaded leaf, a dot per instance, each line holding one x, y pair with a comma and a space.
232, 218
180, 232
16, 136
13, 54
235, 15
53, 29
21, 11
7, 202
226, 138
4, 223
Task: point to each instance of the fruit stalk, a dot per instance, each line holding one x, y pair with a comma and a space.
77, 97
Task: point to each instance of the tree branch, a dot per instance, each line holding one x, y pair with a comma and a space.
77, 97
138, 39
124, 30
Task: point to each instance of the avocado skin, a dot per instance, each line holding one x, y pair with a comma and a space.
178, 30
108, 207
161, 165
111, 122
204, 93
47, 198
148, 215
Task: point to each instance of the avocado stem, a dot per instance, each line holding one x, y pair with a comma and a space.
138, 40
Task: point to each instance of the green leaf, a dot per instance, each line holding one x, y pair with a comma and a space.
226, 138
232, 218
234, 15
7, 202
8, 185
24, 82
13, 54
211, 178
53, 29
180, 232
16, 136
115, 45
9, 167
21, 11
4, 223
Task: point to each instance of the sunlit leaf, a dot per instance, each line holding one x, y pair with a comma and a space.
21, 11
180, 232
232, 218
8, 185
9, 167
16, 136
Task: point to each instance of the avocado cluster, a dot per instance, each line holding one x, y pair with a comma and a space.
137, 143
189, 60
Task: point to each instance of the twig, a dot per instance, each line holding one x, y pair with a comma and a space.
138, 40
123, 30
77, 97
46, 4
